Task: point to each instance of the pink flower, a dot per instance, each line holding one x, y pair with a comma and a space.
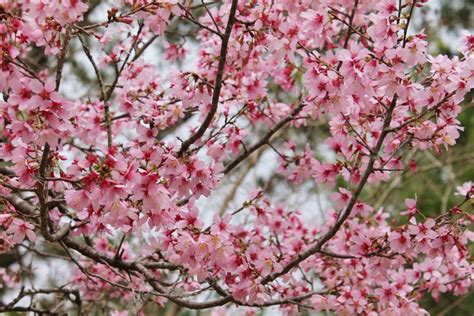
174, 51
422, 230
387, 294
20, 229
402, 284
315, 20
430, 267
362, 245
5, 220
221, 225
44, 94
265, 262
467, 42
387, 7
138, 171
399, 242
465, 190
341, 198
437, 286
411, 207
415, 51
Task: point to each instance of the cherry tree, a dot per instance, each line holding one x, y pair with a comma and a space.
110, 180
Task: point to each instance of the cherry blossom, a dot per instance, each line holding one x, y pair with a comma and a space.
19, 229
123, 178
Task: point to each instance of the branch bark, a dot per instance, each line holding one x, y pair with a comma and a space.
218, 84
332, 232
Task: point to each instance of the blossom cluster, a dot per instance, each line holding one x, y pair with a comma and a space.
82, 171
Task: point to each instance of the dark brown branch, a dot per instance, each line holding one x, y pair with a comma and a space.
189, 16
10, 307
111, 89
422, 114
6, 172
332, 232
211, 16
41, 192
405, 30
61, 59
264, 140
22, 65
98, 75
351, 21
350, 29
218, 84
336, 255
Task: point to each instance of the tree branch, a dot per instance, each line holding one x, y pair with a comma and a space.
332, 232
218, 85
